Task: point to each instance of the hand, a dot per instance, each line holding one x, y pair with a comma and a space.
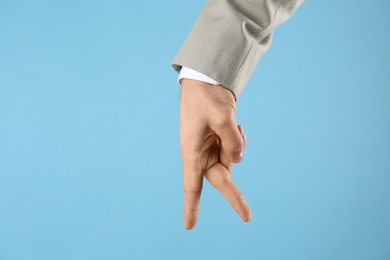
210, 143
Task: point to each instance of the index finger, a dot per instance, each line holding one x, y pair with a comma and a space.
193, 182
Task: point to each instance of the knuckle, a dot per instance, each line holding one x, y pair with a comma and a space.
194, 210
227, 181
236, 157
234, 149
224, 118
221, 183
239, 198
193, 191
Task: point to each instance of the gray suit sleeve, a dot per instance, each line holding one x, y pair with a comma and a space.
231, 36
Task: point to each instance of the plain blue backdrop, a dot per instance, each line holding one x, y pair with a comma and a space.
90, 164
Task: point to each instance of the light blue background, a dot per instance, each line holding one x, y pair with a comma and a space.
90, 165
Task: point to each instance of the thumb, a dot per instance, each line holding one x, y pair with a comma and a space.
232, 141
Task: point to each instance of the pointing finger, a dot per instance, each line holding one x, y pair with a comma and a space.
193, 182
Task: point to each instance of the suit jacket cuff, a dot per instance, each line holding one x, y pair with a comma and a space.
230, 37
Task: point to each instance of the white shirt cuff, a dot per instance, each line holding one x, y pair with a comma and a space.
187, 73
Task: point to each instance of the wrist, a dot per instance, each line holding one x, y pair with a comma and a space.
199, 88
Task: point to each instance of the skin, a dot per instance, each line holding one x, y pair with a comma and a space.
211, 142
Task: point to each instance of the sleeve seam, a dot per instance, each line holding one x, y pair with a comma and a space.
242, 63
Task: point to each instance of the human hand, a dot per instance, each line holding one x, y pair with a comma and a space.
210, 143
